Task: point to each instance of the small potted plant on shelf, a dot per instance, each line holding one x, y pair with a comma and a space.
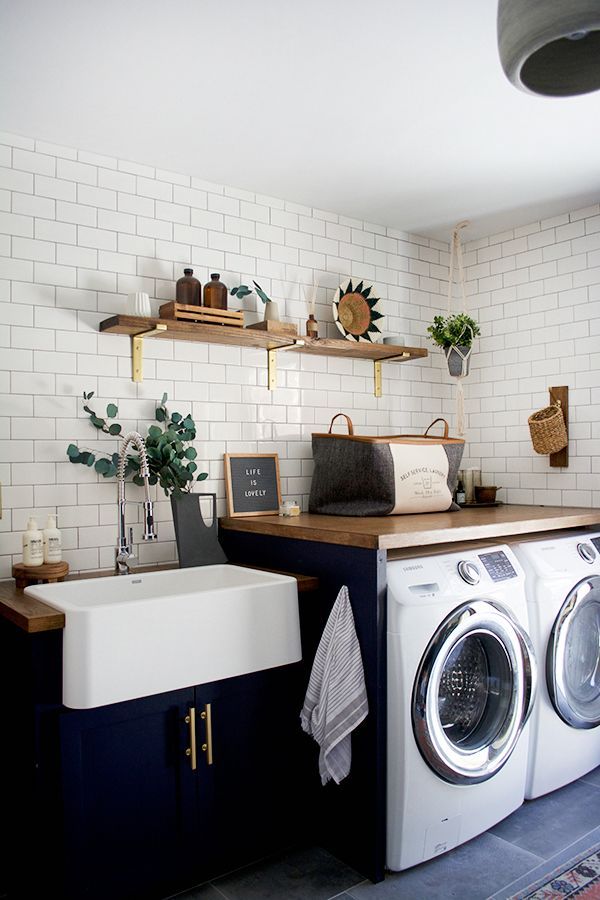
271, 310
455, 335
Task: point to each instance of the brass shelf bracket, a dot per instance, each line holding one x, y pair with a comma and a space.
272, 362
377, 380
137, 353
272, 369
377, 377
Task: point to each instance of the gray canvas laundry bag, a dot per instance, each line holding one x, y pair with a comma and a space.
356, 475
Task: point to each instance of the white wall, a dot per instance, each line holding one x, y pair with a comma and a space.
78, 232
536, 293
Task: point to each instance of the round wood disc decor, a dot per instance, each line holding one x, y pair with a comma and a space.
354, 311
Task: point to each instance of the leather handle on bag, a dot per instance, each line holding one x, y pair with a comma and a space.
435, 421
348, 421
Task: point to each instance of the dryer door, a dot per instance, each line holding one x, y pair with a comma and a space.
573, 656
473, 692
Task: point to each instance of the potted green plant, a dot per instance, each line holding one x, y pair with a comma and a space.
455, 335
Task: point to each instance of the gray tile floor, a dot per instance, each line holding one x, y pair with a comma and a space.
530, 843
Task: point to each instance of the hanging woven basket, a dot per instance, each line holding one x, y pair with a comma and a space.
548, 430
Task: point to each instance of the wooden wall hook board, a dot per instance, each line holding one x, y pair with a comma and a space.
561, 459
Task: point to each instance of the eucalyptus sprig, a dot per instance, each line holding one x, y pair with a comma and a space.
170, 461
243, 290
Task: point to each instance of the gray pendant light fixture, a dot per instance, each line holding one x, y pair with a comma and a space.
550, 47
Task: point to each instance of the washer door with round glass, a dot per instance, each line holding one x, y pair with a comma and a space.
573, 656
473, 692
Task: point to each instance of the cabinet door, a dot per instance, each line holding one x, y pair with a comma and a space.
251, 793
130, 808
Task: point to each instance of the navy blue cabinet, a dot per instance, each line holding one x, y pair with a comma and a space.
131, 823
255, 784
144, 817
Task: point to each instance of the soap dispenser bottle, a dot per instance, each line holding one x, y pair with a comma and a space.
52, 542
33, 550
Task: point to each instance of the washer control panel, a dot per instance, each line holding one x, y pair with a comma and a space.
498, 565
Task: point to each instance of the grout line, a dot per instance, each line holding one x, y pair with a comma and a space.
344, 893
218, 890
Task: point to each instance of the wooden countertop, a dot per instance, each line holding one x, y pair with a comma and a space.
33, 616
401, 532
393, 533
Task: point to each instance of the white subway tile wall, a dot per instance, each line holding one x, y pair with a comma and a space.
79, 231
536, 292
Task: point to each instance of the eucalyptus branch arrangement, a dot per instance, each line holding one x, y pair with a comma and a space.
170, 458
243, 290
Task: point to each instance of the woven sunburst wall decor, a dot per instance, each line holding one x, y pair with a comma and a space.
354, 311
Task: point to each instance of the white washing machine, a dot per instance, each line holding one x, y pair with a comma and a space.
461, 682
563, 591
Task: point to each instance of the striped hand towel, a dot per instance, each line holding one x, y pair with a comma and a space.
336, 699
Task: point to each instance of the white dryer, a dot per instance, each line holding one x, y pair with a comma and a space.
461, 681
563, 591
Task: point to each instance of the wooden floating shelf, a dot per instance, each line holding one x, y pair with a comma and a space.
360, 350
141, 327
176, 330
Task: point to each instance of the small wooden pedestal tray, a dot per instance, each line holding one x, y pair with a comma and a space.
205, 315
46, 573
272, 326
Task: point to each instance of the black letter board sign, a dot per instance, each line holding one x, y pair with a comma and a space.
252, 484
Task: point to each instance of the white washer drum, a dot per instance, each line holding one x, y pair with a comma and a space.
473, 692
573, 656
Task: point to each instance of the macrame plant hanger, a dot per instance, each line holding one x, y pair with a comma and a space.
456, 258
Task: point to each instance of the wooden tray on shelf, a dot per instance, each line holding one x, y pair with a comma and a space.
203, 314
273, 327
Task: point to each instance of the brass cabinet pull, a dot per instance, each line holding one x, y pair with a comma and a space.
206, 714
190, 751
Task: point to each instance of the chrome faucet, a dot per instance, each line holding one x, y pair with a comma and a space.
123, 550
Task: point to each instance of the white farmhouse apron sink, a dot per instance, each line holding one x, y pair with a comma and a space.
133, 635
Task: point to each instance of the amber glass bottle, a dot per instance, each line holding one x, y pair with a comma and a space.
215, 293
312, 327
187, 289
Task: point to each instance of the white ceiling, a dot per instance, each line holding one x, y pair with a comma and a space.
391, 111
